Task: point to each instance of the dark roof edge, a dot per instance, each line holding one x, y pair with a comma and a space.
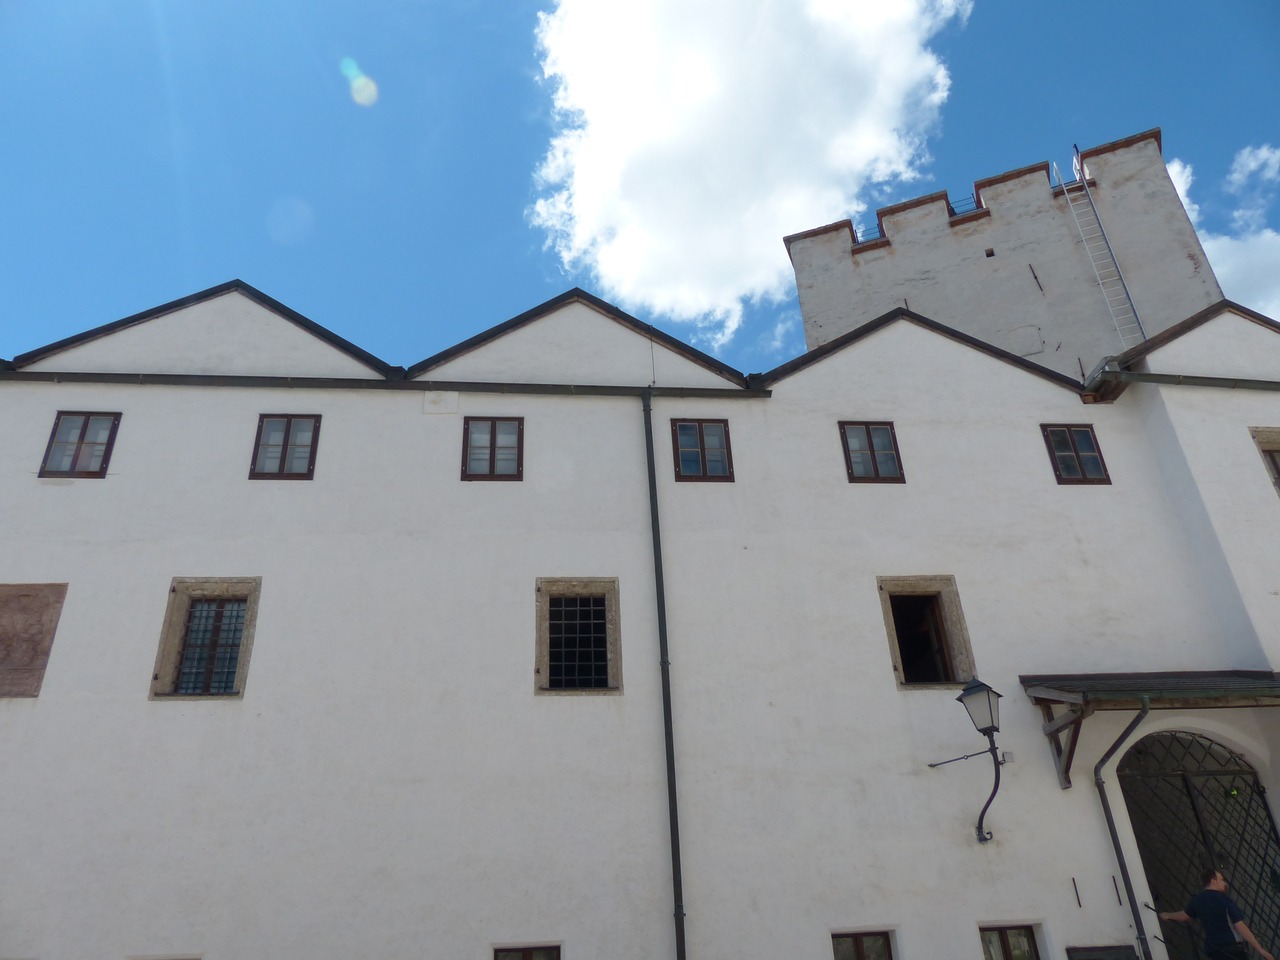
771, 377
1169, 334
328, 336
579, 295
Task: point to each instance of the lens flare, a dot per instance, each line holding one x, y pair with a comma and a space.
363, 90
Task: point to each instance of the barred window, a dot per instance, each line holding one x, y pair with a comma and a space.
211, 646
206, 638
578, 645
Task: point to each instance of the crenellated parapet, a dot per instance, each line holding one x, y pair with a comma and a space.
1009, 265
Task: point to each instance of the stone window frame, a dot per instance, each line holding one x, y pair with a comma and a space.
856, 941
702, 476
490, 474
182, 592
1267, 440
548, 587
866, 426
80, 442
27, 632
280, 473
1070, 430
959, 650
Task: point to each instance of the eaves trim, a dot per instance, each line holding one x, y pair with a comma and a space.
381, 367
578, 295
902, 313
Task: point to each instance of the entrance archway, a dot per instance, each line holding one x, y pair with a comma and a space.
1193, 803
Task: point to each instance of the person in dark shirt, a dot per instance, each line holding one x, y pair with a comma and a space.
1225, 932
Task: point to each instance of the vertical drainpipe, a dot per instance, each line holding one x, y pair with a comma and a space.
1111, 825
660, 596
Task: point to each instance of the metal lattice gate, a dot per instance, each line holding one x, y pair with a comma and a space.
1193, 804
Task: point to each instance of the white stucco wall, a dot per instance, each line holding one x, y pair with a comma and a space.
391, 786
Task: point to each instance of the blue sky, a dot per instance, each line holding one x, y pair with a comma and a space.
409, 173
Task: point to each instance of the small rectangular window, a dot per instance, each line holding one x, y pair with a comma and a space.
871, 452
578, 643
206, 638
285, 447
492, 448
861, 946
1074, 453
928, 640
701, 449
1009, 943
80, 444
526, 953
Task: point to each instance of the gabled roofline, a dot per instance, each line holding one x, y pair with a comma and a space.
1169, 334
381, 367
902, 313
578, 295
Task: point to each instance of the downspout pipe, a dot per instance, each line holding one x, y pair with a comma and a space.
660, 596
1134, 907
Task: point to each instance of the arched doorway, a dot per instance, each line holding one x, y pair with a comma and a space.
1193, 803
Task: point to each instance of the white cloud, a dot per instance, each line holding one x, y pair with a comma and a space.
1244, 261
1183, 176
1263, 160
694, 136
1246, 268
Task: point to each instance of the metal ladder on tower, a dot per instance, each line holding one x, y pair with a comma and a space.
1101, 257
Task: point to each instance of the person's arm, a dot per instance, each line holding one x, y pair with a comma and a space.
1180, 916
1247, 936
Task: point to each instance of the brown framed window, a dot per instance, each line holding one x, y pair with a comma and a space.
285, 447
871, 452
206, 638
1074, 453
701, 450
928, 640
492, 448
578, 641
29, 615
1009, 943
80, 444
526, 953
861, 946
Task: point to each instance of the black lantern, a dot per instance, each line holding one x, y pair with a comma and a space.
983, 706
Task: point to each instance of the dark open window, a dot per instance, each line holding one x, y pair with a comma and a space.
701, 449
861, 946
1074, 452
922, 639
80, 444
285, 447
1009, 943
492, 448
211, 646
526, 953
871, 452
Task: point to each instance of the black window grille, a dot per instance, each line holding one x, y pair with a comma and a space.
211, 647
578, 647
